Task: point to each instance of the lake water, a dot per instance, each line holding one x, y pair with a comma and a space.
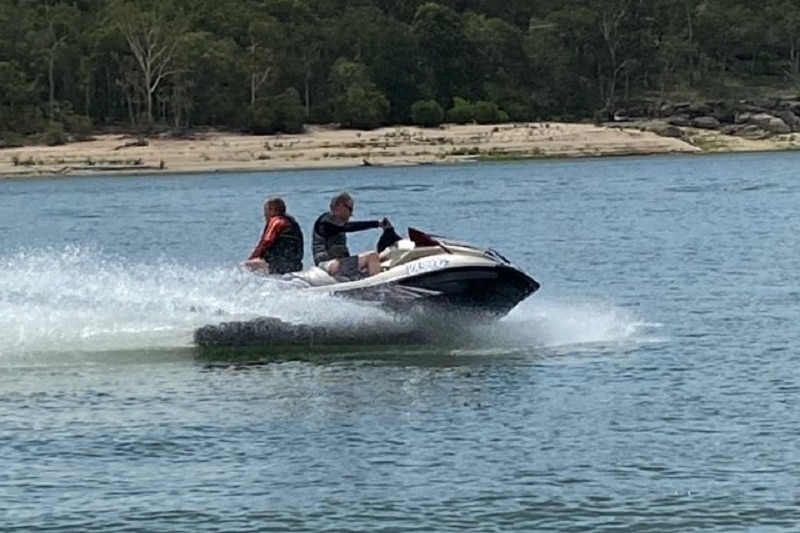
652, 384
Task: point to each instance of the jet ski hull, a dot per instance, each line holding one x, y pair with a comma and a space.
492, 291
479, 291
429, 273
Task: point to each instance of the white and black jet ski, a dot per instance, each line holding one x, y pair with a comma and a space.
421, 276
430, 272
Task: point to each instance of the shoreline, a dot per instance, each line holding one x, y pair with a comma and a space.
397, 146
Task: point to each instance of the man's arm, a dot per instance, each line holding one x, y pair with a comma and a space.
362, 225
328, 229
271, 232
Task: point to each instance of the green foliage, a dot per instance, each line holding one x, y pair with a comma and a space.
282, 114
357, 102
273, 65
79, 127
489, 113
55, 136
259, 121
11, 139
427, 113
462, 112
361, 108
288, 112
517, 112
446, 51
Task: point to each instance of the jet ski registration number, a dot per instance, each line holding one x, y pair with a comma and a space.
420, 267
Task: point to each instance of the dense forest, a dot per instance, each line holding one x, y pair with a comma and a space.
68, 67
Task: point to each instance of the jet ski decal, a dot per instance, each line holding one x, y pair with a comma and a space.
412, 293
426, 265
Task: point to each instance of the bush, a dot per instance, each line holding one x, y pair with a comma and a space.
427, 113
361, 108
517, 111
79, 127
282, 114
11, 139
489, 113
55, 136
462, 111
259, 120
287, 112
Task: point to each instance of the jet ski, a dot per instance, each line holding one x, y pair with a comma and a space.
432, 282
431, 273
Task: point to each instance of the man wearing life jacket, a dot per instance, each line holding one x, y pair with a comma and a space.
330, 241
280, 249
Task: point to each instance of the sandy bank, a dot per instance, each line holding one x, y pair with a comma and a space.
323, 147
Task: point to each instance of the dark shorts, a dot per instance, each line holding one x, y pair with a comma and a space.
348, 268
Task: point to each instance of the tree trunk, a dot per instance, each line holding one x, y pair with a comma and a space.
153, 45
258, 76
109, 110
148, 95
307, 62
307, 90
610, 28
50, 78
52, 52
690, 38
129, 100
87, 96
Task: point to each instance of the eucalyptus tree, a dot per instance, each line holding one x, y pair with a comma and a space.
303, 66
500, 63
19, 111
356, 101
50, 27
783, 19
446, 53
266, 40
153, 33
563, 50
388, 50
719, 34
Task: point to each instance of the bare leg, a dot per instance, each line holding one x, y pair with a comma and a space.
259, 266
333, 268
370, 261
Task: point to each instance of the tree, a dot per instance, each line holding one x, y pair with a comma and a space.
264, 37
719, 32
446, 51
357, 103
55, 41
462, 111
427, 113
153, 38
502, 63
17, 99
562, 54
394, 64
284, 113
784, 18
612, 17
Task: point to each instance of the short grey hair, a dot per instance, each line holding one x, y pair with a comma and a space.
343, 198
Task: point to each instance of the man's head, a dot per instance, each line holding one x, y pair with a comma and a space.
342, 206
274, 206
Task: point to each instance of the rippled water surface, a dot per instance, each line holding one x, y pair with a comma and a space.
651, 385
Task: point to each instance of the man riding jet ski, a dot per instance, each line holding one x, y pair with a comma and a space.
421, 276
431, 272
